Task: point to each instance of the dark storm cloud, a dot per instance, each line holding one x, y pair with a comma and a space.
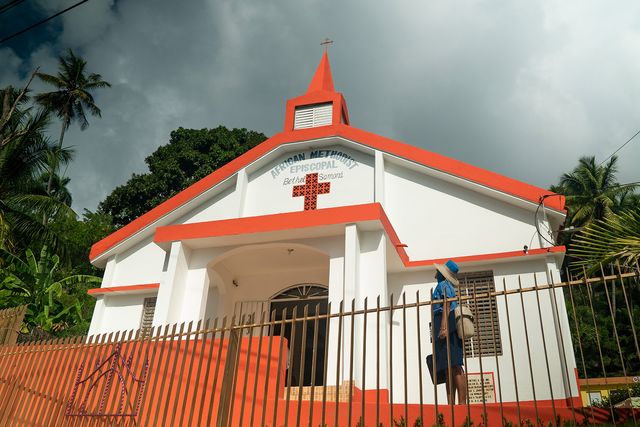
521, 88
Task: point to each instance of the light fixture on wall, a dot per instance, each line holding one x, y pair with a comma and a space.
235, 283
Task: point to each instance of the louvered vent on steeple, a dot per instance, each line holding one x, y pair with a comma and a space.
320, 106
311, 116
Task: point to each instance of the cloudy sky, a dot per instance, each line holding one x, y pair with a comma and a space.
523, 88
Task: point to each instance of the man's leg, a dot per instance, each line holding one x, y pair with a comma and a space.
460, 384
451, 389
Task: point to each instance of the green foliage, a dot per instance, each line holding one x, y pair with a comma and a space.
72, 95
599, 341
189, 156
52, 302
22, 203
79, 236
619, 395
70, 100
400, 423
614, 239
592, 191
35, 213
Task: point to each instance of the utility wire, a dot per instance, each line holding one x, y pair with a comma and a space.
620, 148
10, 4
24, 30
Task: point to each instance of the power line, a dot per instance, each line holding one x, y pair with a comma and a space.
10, 4
620, 148
24, 30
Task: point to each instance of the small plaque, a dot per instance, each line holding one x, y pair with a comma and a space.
475, 387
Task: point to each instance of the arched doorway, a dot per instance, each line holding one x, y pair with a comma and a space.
315, 298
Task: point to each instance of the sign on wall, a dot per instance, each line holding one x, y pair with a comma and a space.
475, 381
329, 164
311, 179
310, 173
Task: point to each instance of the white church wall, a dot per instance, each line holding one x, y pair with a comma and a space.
224, 204
172, 286
120, 313
437, 219
562, 385
253, 288
554, 324
350, 173
140, 264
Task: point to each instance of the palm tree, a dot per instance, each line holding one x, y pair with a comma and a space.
592, 191
72, 97
22, 163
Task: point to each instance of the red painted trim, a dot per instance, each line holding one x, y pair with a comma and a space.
316, 218
426, 158
488, 257
607, 382
266, 223
123, 289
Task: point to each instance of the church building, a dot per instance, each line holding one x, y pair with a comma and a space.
324, 212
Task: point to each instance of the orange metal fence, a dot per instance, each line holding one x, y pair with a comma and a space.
354, 366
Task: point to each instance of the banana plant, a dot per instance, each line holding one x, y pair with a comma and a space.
32, 281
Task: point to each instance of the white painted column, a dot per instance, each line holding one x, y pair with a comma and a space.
196, 290
343, 276
351, 284
559, 316
372, 284
242, 182
171, 292
96, 320
99, 309
378, 185
351, 263
562, 332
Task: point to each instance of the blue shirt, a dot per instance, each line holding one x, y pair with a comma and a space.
438, 294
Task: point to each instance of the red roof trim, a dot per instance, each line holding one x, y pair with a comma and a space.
400, 149
266, 223
321, 217
124, 289
488, 257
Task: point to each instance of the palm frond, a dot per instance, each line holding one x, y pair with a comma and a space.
614, 239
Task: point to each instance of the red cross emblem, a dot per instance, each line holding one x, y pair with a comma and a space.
310, 191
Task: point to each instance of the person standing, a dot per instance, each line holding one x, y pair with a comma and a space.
449, 357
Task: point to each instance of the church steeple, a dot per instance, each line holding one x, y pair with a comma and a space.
321, 105
322, 79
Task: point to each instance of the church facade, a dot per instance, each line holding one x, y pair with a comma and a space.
326, 212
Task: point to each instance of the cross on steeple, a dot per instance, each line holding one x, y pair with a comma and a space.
326, 42
310, 191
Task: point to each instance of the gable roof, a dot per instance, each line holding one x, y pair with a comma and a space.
420, 156
321, 90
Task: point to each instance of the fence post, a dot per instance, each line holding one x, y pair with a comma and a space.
228, 375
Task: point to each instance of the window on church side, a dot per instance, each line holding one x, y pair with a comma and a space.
487, 341
146, 321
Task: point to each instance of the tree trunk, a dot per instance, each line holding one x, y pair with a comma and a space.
53, 167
